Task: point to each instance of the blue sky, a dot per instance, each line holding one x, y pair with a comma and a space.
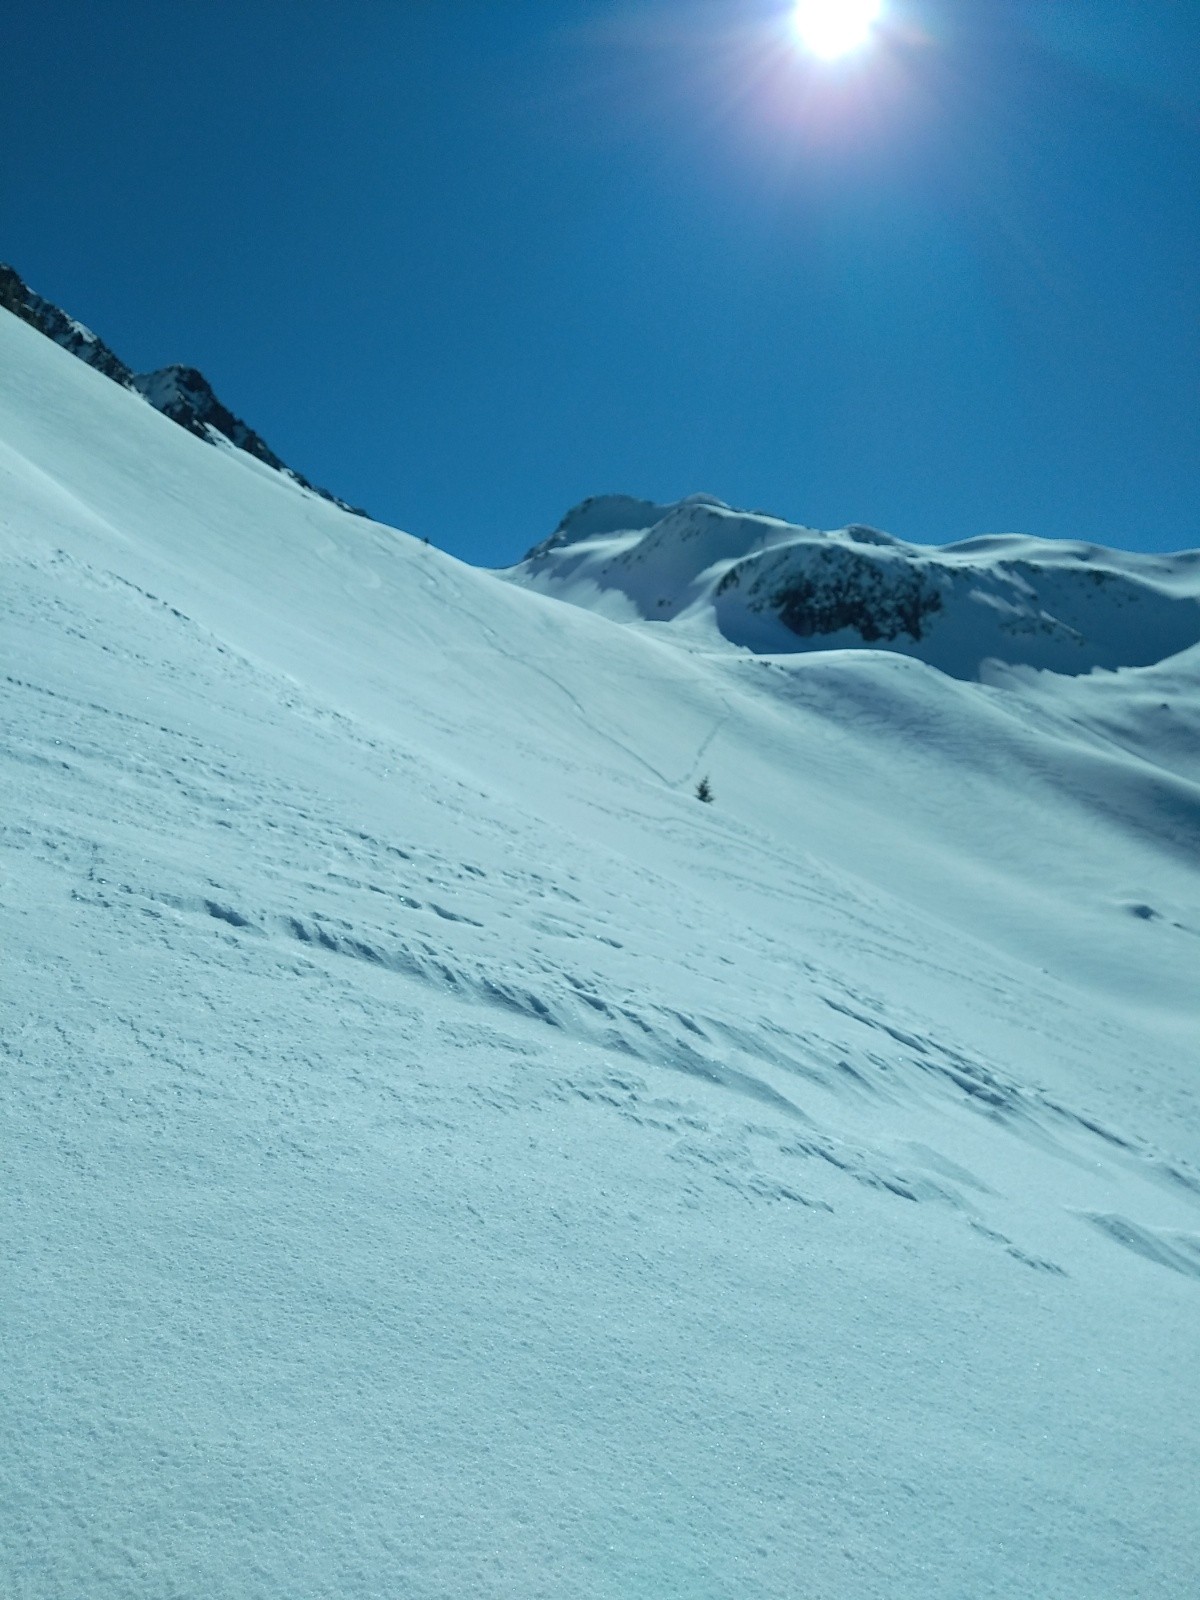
466, 263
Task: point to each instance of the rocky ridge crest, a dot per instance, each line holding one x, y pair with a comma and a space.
181, 393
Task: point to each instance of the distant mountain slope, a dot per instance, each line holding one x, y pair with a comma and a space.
181, 393
776, 588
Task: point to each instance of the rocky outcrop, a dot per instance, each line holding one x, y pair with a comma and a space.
181, 393
16, 296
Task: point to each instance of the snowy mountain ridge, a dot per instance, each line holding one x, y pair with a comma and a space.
754, 581
441, 1157
181, 393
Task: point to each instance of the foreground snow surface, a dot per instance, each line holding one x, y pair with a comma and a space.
441, 1158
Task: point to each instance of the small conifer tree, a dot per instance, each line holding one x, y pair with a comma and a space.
704, 791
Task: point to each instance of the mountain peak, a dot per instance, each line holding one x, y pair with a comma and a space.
756, 582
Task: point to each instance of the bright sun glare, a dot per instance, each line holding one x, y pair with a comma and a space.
833, 28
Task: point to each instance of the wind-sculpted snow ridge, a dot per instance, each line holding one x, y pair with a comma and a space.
181, 393
775, 588
443, 1158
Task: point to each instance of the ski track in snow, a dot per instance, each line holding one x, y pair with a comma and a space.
278, 825
402, 895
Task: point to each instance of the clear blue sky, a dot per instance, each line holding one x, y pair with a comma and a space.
466, 263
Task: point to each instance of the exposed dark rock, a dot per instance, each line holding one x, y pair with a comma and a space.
181, 393
16, 296
186, 396
879, 601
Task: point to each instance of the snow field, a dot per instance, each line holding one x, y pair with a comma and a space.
442, 1158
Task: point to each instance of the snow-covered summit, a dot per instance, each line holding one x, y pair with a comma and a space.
181, 393
758, 582
612, 513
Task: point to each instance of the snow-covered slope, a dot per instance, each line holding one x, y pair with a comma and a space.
441, 1157
757, 582
181, 393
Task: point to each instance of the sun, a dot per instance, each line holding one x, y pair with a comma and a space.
834, 28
